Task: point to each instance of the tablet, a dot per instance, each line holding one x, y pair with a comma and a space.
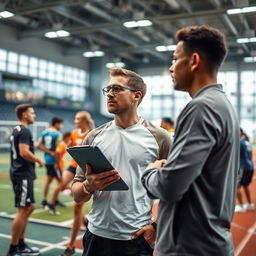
93, 156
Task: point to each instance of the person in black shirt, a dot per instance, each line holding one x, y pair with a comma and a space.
22, 174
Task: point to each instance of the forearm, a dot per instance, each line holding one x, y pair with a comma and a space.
79, 193
29, 156
44, 149
170, 182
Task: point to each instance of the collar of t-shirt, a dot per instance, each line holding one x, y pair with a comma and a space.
128, 128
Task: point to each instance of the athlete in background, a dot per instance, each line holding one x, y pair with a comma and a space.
48, 143
22, 174
84, 124
60, 153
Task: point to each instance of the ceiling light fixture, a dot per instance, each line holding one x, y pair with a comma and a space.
246, 40
62, 33
6, 14
249, 59
136, 24
56, 34
241, 10
166, 48
118, 64
91, 54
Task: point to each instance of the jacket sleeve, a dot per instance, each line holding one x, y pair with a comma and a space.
195, 137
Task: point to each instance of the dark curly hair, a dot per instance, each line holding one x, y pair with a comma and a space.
209, 42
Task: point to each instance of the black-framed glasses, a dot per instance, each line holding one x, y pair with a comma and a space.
116, 88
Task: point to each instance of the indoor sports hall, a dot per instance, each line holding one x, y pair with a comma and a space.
57, 56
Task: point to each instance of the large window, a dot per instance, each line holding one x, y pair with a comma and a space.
248, 102
229, 82
161, 99
54, 79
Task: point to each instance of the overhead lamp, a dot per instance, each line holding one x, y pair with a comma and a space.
99, 53
241, 10
144, 23
136, 24
166, 48
6, 14
56, 34
51, 34
90, 54
118, 64
62, 33
249, 59
246, 40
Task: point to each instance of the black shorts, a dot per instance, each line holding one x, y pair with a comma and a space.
100, 246
72, 169
23, 191
246, 178
52, 171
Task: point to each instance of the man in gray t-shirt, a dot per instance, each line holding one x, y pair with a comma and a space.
120, 221
196, 185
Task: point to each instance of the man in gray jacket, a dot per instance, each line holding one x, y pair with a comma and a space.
196, 185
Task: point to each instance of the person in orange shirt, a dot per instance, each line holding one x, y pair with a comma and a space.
84, 124
61, 150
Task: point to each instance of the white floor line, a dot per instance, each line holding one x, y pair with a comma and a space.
66, 222
49, 246
251, 231
40, 221
60, 245
238, 226
28, 240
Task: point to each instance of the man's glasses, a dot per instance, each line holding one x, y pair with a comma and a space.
116, 89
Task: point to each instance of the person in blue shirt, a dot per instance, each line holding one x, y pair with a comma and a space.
246, 173
48, 144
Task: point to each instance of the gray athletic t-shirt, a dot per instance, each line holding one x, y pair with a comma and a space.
118, 214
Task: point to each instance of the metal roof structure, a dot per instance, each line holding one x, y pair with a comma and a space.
98, 25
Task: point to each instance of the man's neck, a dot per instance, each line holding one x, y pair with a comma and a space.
126, 120
83, 130
24, 123
200, 83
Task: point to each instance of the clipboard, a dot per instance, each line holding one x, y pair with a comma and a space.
93, 156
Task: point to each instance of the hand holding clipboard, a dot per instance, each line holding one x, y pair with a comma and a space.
95, 158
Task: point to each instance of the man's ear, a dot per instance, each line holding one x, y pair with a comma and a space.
195, 61
137, 96
24, 115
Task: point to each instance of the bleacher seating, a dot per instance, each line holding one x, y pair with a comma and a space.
44, 114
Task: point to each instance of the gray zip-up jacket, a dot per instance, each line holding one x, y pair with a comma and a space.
197, 186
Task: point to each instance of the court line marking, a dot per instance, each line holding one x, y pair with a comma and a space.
49, 246
28, 239
60, 245
40, 221
39, 210
250, 232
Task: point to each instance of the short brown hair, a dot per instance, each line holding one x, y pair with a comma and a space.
134, 81
20, 109
66, 134
208, 41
